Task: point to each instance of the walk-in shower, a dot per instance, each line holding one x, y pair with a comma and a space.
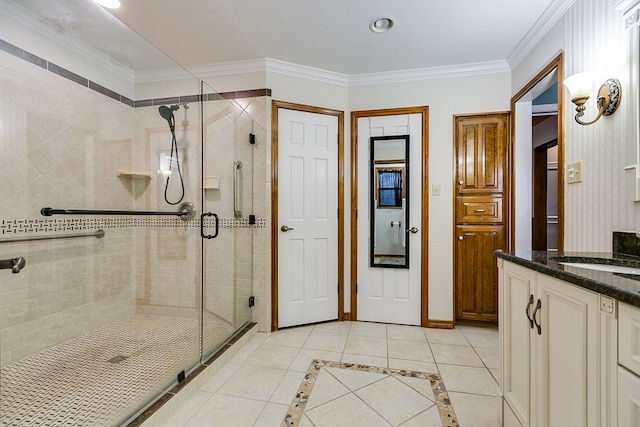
118, 276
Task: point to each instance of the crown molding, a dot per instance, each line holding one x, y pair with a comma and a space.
303, 71
462, 70
316, 74
549, 18
163, 75
625, 6
257, 65
261, 65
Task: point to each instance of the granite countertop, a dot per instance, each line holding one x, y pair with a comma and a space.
623, 287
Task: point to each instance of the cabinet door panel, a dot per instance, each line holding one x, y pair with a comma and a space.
629, 338
480, 153
476, 272
479, 210
566, 355
516, 288
628, 398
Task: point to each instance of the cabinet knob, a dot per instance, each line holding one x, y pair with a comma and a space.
461, 182
460, 238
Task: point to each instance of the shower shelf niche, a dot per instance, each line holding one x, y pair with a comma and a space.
134, 175
211, 183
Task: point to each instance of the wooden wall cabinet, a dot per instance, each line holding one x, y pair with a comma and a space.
480, 210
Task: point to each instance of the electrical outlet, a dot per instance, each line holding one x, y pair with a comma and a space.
574, 172
435, 189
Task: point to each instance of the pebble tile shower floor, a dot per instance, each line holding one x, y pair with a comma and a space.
101, 378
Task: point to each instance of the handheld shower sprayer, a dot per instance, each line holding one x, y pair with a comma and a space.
167, 114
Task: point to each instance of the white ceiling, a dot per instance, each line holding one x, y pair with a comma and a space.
334, 35
331, 36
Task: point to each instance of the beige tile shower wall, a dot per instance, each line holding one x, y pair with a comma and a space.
167, 267
66, 289
596, 40
60, 146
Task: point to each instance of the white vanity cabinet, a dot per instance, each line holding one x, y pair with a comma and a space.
629, 369
556, 354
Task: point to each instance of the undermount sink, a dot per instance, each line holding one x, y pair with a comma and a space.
604, 267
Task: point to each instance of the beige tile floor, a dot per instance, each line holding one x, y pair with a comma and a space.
257, 385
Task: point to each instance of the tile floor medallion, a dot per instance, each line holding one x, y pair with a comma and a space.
105, 375
348, 394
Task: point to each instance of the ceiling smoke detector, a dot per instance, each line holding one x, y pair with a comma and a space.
382, 24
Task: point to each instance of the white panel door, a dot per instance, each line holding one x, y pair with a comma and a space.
390, 295
308, 217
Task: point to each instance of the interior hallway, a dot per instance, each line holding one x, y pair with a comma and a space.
258, 384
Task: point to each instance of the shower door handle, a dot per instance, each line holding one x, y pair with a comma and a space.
216, 220
237, 199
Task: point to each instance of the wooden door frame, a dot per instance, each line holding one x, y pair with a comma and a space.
424, 273
556, 64
275, 105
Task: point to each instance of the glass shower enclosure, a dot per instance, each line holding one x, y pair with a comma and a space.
127, 217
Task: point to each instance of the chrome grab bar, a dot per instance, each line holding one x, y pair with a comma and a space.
15, 264
237, 208
187, 212
98, 233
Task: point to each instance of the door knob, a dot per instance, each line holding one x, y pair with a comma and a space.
285, 228
460, 238
414, 230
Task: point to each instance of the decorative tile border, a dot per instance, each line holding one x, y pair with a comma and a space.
34, 226
62, 72
297, 407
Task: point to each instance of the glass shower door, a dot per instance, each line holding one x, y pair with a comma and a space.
228, 221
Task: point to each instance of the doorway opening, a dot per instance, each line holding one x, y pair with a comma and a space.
537, 162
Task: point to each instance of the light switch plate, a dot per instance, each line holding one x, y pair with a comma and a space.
435, 189
574, 172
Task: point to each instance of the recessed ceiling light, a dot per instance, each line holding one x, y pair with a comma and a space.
382, 24
109, 4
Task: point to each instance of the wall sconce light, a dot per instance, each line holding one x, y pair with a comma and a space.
579, 86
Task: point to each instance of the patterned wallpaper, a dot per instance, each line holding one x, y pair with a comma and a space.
594, 208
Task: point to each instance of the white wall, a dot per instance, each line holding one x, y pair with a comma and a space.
523, 157
445, 98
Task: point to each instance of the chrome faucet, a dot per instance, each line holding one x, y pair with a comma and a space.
15, 264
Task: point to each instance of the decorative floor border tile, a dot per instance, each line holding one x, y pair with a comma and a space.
298, 405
